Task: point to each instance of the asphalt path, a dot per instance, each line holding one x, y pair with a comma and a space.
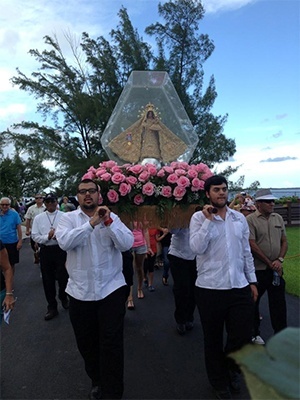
40, 360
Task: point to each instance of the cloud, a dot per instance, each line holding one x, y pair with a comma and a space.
279, 159
277, 135
281, 116
214, 6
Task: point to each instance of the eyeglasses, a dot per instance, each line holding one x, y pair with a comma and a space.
5, 204
91, 191
50, 201
268, 201
39, 198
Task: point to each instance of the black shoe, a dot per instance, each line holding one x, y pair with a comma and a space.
189, 325
235, 381
180, 329
65, 303
95, 393
51, 314
223, 394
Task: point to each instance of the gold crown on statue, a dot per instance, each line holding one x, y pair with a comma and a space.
149, 107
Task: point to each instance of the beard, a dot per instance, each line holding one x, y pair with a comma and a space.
219, 205
89, 206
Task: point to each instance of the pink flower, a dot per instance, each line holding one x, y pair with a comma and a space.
108, 164
100, 199
180, 171
148, 189
132, 180
179, 192
166, 191
88, 175
115, 169
138, 199
183, 182
136, 169
118, 178
206, 175
173, 178
124, 189
151, 169
144, 176
169, 170
197, 184
112, 196
192, 173
161, 173
106, 177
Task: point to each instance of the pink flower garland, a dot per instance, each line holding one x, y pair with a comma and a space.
177, 183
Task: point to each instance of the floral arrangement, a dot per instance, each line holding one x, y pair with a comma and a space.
131, 185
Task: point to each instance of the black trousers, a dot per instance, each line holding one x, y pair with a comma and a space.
277, 301
184, 275
98, 327
234, 310
53, 260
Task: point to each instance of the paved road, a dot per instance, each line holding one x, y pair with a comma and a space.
39, 359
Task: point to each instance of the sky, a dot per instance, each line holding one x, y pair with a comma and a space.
256, 65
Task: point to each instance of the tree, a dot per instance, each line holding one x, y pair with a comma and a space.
23, 178
78, 97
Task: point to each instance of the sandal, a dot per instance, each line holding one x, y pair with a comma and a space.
130, 305
140, 294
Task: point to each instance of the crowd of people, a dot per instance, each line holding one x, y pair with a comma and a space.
221, 266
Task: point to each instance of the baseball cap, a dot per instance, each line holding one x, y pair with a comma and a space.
264, 194
50, 196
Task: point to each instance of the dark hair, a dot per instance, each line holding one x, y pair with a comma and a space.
214, 180
88, 181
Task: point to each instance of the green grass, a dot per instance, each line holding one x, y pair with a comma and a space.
292, 261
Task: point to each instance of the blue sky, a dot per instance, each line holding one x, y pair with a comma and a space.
256, 64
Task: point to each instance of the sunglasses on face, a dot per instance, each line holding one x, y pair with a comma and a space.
268, 201
5, 204
38, 198
91, 191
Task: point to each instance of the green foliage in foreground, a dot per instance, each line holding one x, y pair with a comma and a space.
272, 371
292, 261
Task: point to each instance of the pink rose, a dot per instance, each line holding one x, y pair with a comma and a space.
192, 173
151, 169
179, 192
88, 175
112, 196
183, 182
100, 172
148, 189
106, 177
100, 199
118, 178
161, 173
92, 169
132, 180
173, 178
166, 191
108, 164
197, 184
206, 175
169, 170
136, 169
115, 169
144, 176
124, 189
180, 171
138, 199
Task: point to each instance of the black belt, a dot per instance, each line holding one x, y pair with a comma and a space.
44, 245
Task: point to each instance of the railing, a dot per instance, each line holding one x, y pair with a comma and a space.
290, 213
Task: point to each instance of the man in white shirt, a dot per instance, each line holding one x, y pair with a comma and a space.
225, 286
31, 213
94, 243
53, 258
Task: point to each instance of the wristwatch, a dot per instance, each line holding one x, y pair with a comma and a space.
281, 259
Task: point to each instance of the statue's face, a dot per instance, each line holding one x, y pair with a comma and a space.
150, 114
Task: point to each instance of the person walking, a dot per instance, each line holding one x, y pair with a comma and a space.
94, 239
10, 231
269, 245
225, 285
7, 281
31, 213
184, 273
52, 257
164, 238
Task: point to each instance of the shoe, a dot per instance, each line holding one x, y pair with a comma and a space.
151, 289
65, 303
189, 325
235, 381
165, 281
181, 329
258, 340
130, 305
95, 393
223, 394
51, 314
140, 294
145, 282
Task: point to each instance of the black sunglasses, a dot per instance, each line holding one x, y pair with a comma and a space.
39, 198
50, 200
